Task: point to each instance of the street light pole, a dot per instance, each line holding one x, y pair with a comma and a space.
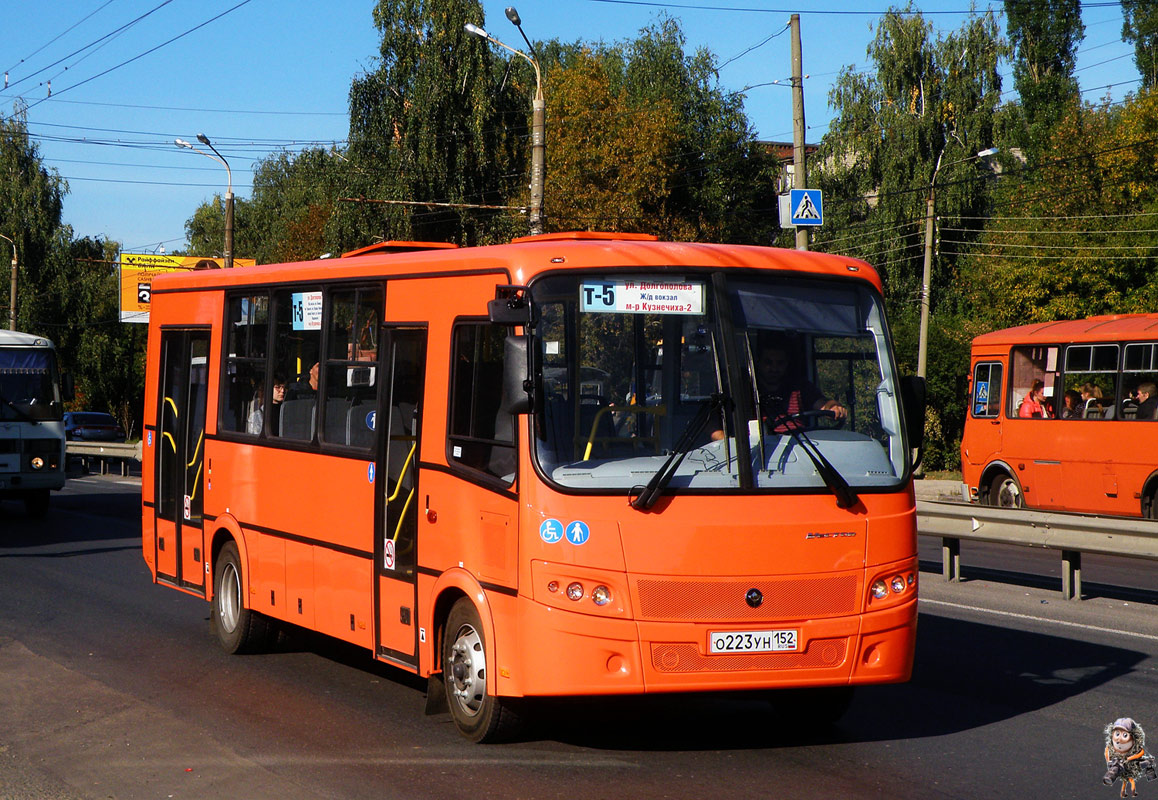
12, 291
538, 119
926, 272
228, 191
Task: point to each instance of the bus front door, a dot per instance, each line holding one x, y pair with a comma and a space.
403, 367
180, 448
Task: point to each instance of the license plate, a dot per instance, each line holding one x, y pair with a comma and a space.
778, 641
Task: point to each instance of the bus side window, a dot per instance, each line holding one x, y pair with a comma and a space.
986, 401
244, 388
481, 433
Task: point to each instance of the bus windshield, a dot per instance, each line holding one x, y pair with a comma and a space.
753, 383
28, 384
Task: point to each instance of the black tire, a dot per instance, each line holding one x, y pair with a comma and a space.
36, 502
1005, 492
239, 629
477, 713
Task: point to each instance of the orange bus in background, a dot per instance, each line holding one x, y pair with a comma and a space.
1092, 448
538, 469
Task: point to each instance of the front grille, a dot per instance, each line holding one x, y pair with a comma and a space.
683, 657
723, 600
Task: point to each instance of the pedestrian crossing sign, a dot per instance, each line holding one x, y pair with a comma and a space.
806, 206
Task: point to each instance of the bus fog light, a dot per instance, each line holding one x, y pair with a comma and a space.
575, 591
553, 586
879, 589
601, 595
37, 462
911, 578
898, 584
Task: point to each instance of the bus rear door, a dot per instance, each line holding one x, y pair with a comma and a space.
180, 485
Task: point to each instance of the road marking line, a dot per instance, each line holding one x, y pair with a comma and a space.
1032, 618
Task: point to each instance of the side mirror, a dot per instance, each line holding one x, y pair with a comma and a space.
517, 386
913, 401
511, 306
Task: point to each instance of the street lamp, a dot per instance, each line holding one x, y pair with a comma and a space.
538, 118
923, 341
12, 293
228, 191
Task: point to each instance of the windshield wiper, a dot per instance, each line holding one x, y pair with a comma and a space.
18, 410
651, 493
845, 496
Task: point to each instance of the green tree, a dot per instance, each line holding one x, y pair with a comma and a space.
31, 198
925, 106
433, 122
1044, 35
1140, 27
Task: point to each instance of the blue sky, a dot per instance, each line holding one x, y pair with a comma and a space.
269, 75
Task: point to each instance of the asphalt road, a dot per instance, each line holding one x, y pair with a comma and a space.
115, 688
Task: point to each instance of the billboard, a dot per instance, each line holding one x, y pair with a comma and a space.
139, 269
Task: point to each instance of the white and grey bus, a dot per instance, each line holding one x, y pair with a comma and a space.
31, 430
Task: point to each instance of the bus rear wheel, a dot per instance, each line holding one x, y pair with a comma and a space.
1005, 492
478, 714
239, 629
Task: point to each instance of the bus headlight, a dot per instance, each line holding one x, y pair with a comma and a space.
37, 462
601, 595
880, 589
898, 584
575, 590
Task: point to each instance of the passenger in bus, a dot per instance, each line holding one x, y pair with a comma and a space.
306, 384
1147, 400
257, 416
782, 390
1091, 400
1032, 405
1071, 405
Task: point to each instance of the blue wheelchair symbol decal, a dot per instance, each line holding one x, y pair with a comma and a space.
551, 531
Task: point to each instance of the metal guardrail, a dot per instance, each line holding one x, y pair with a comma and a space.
1072, 534
104, 452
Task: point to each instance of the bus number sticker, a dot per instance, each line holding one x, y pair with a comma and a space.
551, 531
653, 296
307, 311
578, 532
388, 555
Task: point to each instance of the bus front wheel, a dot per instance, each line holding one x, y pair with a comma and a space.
1005, 492
239, 629
477, 713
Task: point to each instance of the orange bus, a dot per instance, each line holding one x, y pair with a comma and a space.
539, 469
1061, 417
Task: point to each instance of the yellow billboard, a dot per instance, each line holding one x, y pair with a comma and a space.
139, 269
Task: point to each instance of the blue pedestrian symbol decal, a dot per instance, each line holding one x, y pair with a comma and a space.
578, 532
371, 418
551, 531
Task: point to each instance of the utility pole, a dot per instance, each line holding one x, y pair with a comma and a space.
799, 170
12, 294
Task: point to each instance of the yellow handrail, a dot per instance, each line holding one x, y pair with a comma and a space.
632, 409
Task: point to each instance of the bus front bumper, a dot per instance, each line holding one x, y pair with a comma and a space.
568, 653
